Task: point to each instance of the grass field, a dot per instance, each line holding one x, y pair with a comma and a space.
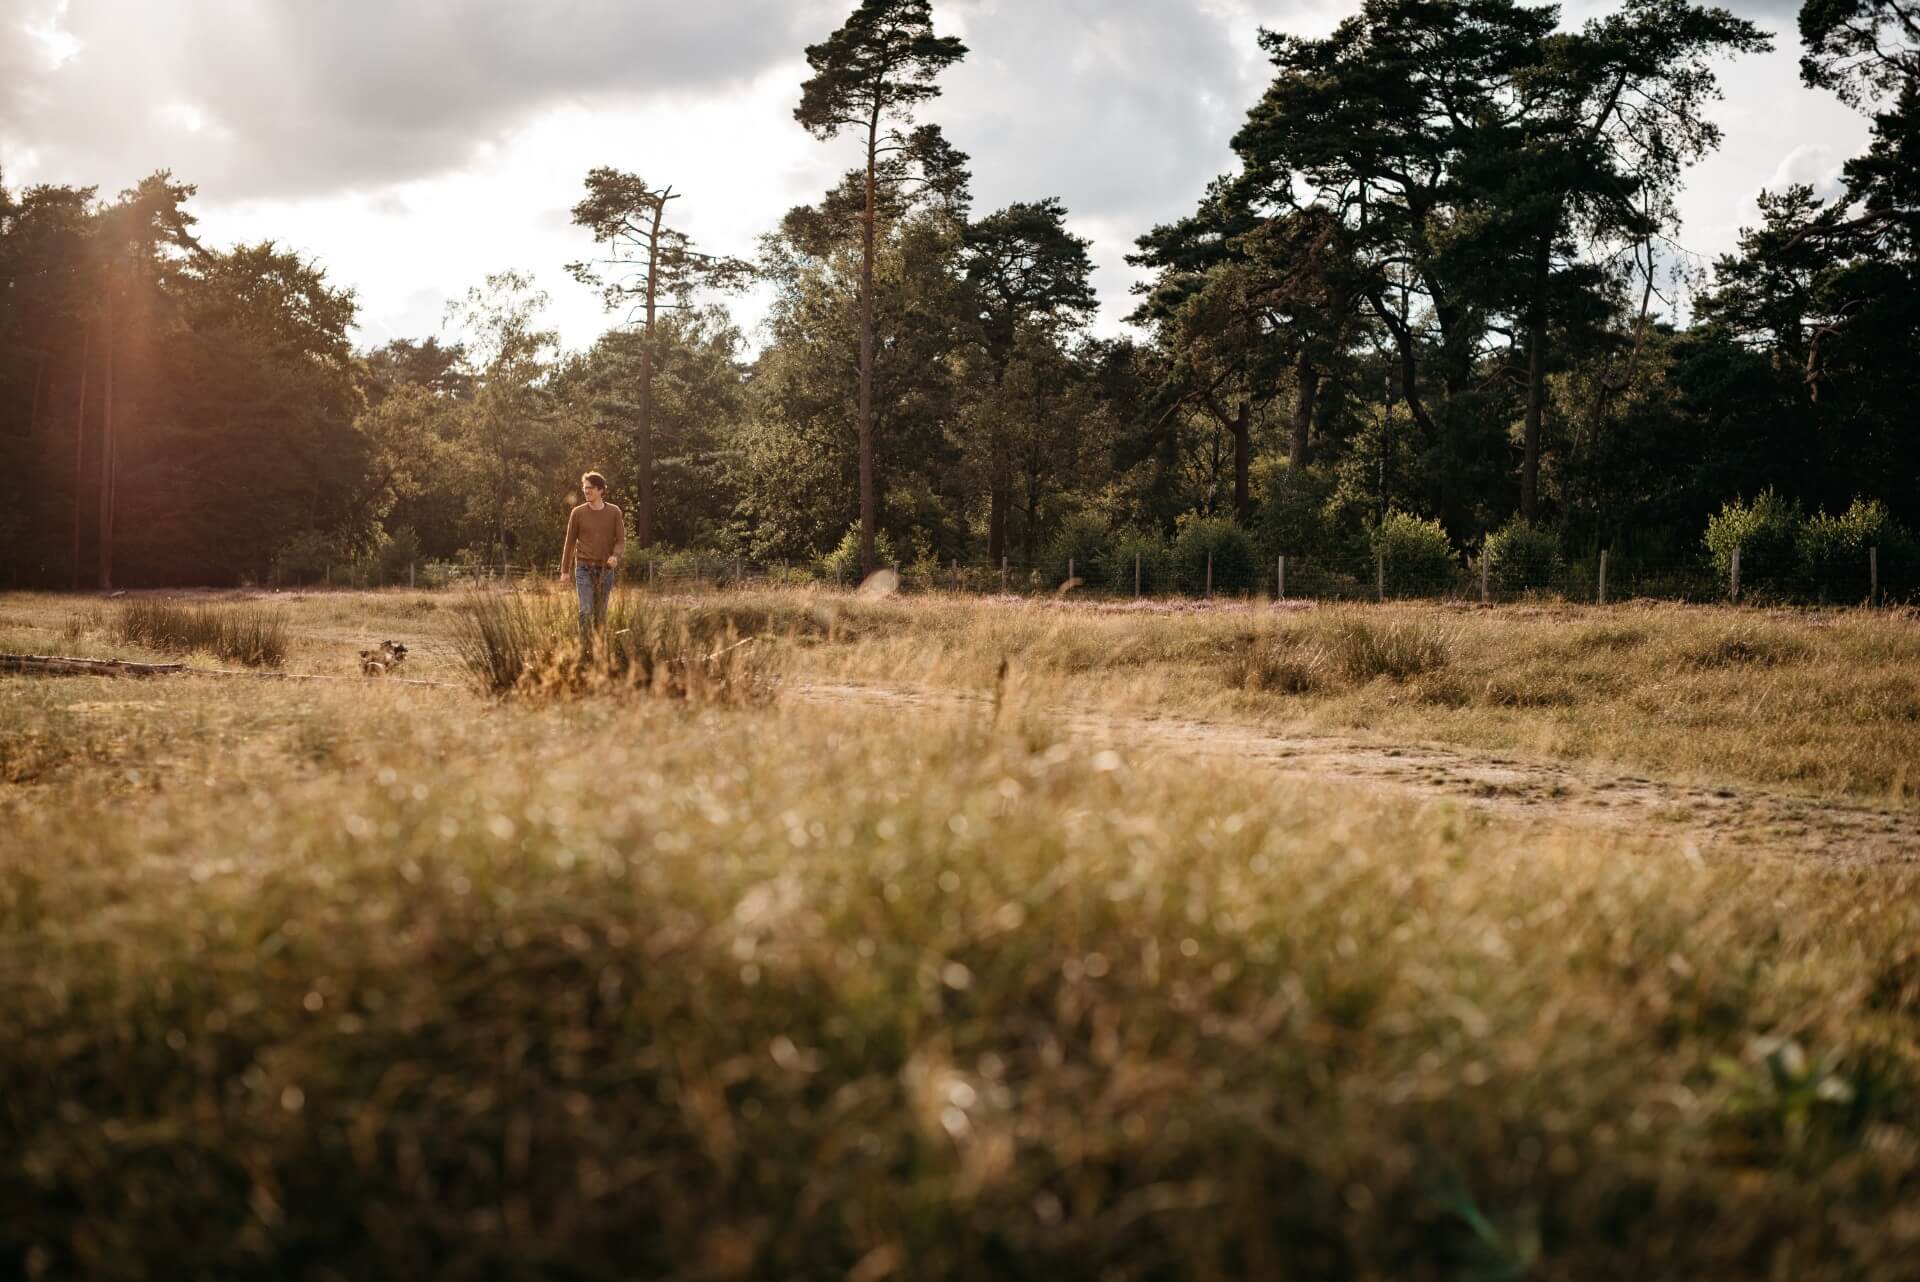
357, 979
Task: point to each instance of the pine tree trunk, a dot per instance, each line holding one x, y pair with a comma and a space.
1029, 548
643, 524
1536, 387
1242, 461
1000, 501
1306, 387
80, 444
107, 459
867, 514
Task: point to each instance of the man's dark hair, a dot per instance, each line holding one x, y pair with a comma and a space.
594, 479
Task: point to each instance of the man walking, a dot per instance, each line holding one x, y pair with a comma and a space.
596, 538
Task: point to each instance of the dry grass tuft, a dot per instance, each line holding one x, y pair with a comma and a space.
1398, 649
1609, 638
250, 634
1334, 652
527, 644
1749, 644
1282, 663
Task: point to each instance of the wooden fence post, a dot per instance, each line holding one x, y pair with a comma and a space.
1873, 576
1209, 573
1486, 566
1283, 580
409, 575
1735, 585
1603, 576
1003, 574
1069, 569
1136, 576
1380, 576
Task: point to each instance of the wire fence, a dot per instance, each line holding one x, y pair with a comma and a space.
1870, 579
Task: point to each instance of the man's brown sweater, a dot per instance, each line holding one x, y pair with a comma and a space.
593, 536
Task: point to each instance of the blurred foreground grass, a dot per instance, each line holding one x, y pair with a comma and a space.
360, 980
364, 981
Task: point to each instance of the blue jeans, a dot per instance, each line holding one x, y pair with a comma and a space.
593, 584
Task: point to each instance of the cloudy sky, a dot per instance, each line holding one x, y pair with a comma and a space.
413, 146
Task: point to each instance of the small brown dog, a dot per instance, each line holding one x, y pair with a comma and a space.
382, 662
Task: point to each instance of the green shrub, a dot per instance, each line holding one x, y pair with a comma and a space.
1522, 556
1419, 557
1155, 562
1293, 520
674, 566
842, 565
1234, 569
1767, 534
1834, 549
1085, 541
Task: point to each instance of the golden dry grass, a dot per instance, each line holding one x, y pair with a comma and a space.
361, 980
1826, 704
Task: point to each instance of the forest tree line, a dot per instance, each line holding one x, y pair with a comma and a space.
1439, 287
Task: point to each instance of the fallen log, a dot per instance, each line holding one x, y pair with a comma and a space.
57, 665
65, 665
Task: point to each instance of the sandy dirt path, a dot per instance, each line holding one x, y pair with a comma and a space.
1702, 819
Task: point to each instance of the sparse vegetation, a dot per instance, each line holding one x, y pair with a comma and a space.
1822, 703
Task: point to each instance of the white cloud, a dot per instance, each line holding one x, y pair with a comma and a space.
409, 247
1766, 114
414, 147
315, 97
57, 44
1815, 164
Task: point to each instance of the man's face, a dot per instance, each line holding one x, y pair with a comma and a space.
593, 493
